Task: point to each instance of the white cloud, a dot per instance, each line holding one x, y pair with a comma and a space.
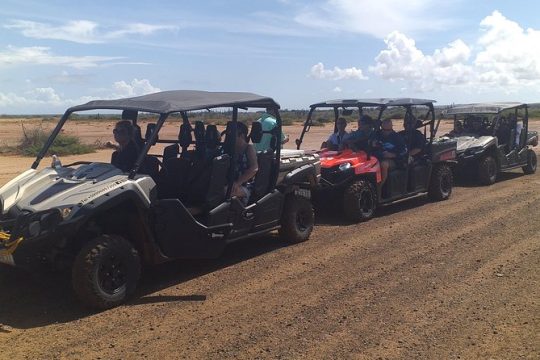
82, 31
509, 54
319, 72
43, 56
507, 57
134, 88
377, 18
402, 60
42, 99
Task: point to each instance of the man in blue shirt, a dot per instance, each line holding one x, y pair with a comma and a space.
268, 123
389, 147
358, 139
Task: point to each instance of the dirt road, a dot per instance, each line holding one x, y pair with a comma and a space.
453, 280
450, 280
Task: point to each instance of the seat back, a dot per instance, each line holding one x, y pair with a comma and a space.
262, 179
171, 152
184, 137
200, 141
218, 180
149, 130
150, 166
173, 178
212, 139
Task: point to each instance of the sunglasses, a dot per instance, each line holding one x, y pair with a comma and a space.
119, 131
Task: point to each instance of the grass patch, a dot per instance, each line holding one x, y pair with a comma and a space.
34, 139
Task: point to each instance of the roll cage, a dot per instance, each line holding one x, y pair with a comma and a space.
380, 105
496, 110
180, 102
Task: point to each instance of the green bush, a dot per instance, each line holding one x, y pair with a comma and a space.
34, 139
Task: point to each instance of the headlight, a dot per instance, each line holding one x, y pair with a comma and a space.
344, 166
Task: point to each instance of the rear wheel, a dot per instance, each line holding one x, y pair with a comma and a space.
359, 201
530, 168
487, 170
297, 219
441, 183
106, 272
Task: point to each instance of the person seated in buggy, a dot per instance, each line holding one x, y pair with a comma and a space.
414, 139
359, 139
389, 148
127, 150
337, 139
245, 166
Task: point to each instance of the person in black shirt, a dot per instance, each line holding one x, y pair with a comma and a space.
389, 147
127, 150
414, 139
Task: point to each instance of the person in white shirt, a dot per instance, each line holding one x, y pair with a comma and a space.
336, 140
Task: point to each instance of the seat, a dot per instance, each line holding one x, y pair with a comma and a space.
262, 179
184, 138
200, 140
171, 152
173, 178
207, 190
213, 140
149, 130
150, 166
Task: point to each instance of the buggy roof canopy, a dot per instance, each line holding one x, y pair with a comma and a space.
483, 108
373, 102
180, 100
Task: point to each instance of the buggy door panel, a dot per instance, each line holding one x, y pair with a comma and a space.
179, 235
397, 183
502, 156
268, 211
419, 175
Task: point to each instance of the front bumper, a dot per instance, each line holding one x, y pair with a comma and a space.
23, 239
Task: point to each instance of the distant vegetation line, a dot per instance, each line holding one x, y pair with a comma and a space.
288, 117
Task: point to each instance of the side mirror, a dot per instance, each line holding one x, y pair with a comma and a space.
346, 112
256, 132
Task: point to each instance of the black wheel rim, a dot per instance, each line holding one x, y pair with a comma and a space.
366, 203
492, 170
446, 184
112, 275
533, 162
302, 220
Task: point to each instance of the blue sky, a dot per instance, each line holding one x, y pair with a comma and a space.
55, 54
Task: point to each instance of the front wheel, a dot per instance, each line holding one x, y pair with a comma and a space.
297, 219
487, 170
530, 168
359, 201
441, 183
106, 271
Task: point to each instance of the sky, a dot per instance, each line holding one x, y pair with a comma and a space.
56, 54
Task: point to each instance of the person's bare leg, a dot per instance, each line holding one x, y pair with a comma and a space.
384, 171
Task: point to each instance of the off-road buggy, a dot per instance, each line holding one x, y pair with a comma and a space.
492, 137
352, 178
104, 224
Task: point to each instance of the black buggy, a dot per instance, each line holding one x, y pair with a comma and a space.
492, 137
103, 223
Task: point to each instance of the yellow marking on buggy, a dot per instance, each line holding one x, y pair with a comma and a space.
9, 247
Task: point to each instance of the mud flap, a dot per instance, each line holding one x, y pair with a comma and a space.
180, 236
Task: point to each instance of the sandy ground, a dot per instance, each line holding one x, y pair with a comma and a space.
457, 279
